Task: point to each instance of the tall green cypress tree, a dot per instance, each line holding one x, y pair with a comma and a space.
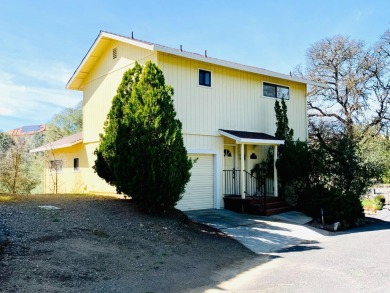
283, 131
142, 151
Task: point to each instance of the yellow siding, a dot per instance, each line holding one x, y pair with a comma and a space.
95, 184
70, 181
234, 101
101, 84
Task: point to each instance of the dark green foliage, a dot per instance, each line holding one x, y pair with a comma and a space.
142, 152
283, 131
314, 176
337, 206
286, 152
380, 198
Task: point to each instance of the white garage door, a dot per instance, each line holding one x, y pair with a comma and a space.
199, 192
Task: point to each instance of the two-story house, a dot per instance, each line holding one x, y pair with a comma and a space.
227, 111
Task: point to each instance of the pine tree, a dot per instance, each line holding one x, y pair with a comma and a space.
141, 151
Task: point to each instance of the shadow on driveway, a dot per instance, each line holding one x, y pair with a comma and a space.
258, 233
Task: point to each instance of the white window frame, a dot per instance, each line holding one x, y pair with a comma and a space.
277, 85
211, 78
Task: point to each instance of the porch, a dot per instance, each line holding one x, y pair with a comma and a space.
247, 189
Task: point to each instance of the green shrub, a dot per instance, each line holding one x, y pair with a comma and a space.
142, 152
337, 207
380, 198
376, 203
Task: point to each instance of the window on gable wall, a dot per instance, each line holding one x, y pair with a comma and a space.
276, 91
204, 77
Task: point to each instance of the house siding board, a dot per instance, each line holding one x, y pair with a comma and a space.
234, 100
67, 180
94, 183
102, 82
85, 180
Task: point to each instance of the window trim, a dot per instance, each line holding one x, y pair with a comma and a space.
78, 164
276, 85
198, 78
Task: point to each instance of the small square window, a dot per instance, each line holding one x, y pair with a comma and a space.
276, 91
56, 166
204, 77
76, 164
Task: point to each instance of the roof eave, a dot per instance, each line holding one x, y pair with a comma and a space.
234, 65
103, 34
240, 140
49, 147
155, 47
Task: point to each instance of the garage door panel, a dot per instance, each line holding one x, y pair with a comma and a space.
199, 192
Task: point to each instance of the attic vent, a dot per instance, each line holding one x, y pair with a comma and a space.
114, 53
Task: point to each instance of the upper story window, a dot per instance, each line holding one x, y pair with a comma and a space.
276, 91
204, 77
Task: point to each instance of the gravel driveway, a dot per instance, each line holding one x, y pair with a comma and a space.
102, 244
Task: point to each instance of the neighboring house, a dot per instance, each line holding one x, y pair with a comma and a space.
27, 130
227, 112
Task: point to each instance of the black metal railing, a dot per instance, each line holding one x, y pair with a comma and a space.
232, 182
254, 187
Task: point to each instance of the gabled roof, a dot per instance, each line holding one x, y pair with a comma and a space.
247, 137
104, 39
61, 143
27, 130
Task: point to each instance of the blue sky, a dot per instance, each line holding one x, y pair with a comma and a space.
43, 42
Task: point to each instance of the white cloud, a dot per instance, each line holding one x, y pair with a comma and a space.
5, 111
53, 73
34, 101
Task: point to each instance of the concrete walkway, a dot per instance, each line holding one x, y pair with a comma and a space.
258, 233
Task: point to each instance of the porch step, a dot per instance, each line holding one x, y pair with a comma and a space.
275, 211
273, 206
255, 206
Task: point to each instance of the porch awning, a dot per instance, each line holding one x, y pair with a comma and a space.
247, 137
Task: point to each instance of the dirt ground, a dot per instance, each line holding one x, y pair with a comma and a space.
102, 244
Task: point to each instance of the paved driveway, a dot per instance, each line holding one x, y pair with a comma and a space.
352, 261
260, 234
